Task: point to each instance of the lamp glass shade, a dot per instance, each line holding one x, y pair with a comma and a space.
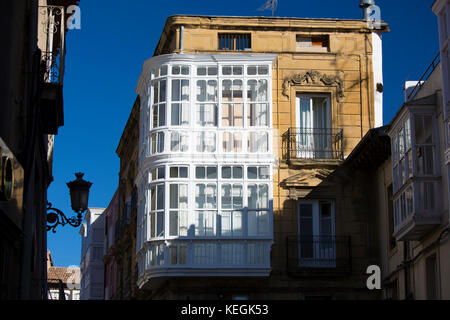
79, 193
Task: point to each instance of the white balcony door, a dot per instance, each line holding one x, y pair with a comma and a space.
313, 136
316, 242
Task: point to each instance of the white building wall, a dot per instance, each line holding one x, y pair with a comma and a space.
92, 270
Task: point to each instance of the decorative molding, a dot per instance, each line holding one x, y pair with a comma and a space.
314, 78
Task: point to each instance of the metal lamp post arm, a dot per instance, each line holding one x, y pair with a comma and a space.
56, 217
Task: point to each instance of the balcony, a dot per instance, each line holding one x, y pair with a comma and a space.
313, 145
204, 258
318, 255
52, 31
417, 209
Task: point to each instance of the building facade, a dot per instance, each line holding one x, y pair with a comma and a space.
420, 194
244, 127
92, 247
111, 234
124, 249
63, 283
31, 111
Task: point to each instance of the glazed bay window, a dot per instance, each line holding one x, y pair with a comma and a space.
258, 142
232, 205
178, 253
232, 142
181, 172
158, 114
206, 107
178, 214
156, 144
258, 106
206, 141
206, 172
180, 102
179, 141
204, 167
232, 103
416, 174
205, 206
156, 211
258, 210
232, 172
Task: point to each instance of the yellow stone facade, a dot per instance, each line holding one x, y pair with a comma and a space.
343, 71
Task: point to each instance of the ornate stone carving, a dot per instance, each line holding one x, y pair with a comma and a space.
313, 78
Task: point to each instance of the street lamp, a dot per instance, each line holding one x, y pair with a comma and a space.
79, 195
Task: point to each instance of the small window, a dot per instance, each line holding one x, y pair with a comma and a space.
206, 172
261, 173
312, 43
234, 41
257, 70
232, 173
178, 172
180, 70
207, 71
157, 174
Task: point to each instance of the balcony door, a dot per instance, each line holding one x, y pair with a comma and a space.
316, 241
313, 131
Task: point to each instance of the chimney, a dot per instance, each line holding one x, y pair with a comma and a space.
366, 6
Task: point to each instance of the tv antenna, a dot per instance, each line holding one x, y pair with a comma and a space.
270, 4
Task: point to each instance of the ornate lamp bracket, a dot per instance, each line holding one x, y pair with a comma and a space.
56, 217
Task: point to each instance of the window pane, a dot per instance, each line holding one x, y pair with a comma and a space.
226, 172
226, 196
257, 114
206, 142
173, 223
237, 196
201, 71
263, 196
206, 115
162, 91
160, 224
226, 223
200, 173
173, 196
325, 219
306, 226
263, 172
161, 172
227, 115
424, 128
237, 223
211, 172
257, 90
252, 172
237, 172
252, 196
175, 112
160, 201
174, 172
183, 172
252, 70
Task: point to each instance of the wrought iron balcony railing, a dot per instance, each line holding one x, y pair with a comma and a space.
318, 252
313, 143
52, 26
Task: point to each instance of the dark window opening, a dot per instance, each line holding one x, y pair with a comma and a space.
234, 41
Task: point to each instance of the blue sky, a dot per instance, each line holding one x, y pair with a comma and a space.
104, 61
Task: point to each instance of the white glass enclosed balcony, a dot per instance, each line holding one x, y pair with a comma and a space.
416, 172
205, 166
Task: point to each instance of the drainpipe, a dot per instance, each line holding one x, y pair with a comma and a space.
405, 271
181, 38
